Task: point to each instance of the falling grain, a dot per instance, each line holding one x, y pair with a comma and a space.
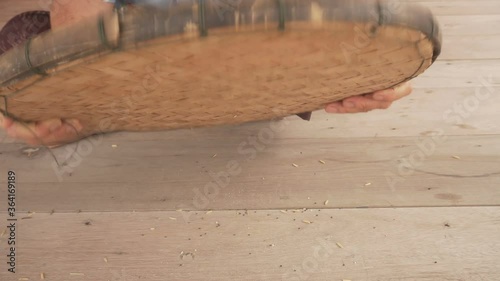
105, 260
30, 151
284, 212
326, 202
3, 233
322, 162
174, 219
295, 165
152, 228
42, 276
339, 245
368, 184
114, 146
215, 155
306, 221
208, 212
29, 216
456, 157
186, 254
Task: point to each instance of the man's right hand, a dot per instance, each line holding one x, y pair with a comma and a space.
50, 132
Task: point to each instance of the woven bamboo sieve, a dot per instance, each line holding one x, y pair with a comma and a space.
207, 62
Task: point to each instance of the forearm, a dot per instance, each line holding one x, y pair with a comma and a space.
64, 12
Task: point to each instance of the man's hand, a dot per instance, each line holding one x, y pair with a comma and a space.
364, 103
49, 132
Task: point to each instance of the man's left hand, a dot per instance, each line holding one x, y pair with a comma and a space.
368, 102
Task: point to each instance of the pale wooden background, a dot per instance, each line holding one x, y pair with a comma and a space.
122, 203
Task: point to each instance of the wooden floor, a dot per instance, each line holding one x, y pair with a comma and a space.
410, 193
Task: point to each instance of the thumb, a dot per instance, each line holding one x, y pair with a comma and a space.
5, 122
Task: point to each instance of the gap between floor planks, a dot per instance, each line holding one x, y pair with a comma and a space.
378, 244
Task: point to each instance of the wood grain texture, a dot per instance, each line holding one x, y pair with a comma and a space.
157, 173
359, 172
470, 25
461, 7
435, 244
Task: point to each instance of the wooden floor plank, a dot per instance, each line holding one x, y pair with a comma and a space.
459, 74
474, 47
358, 172
435, 244
470, 25
462, 7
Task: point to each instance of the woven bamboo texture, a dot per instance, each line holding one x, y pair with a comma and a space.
191, 65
